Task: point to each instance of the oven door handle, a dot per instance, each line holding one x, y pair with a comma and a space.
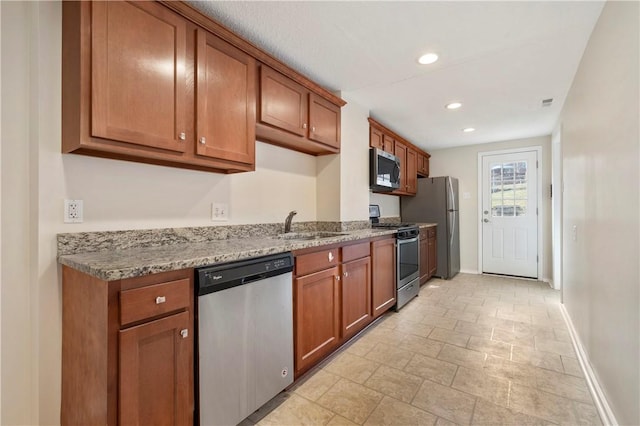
409, 240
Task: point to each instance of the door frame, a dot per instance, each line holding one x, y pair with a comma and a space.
541, 207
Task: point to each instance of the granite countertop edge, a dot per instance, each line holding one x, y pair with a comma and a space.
136, 262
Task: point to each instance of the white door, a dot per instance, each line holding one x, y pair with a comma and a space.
510, 214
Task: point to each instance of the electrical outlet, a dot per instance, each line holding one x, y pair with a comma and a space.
219, 211
73, 211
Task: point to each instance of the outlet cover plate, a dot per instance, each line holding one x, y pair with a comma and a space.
219, 212
73, 211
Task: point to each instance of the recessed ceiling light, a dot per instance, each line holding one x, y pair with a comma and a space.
469, 129
428, 58
453, 105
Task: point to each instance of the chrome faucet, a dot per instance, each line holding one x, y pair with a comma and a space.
287, 221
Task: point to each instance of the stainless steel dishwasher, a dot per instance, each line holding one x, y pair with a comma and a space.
245, 336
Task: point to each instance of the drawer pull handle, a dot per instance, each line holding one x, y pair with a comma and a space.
330, 257
160, 299
184, 333
346, 274
337, 277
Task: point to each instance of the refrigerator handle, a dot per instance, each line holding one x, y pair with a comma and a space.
451, 197
453, 228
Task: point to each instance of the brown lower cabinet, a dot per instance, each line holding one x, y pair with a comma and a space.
127, 349
428, 254
332, 299
383, 276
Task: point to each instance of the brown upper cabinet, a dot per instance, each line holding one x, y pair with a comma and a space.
292, 116
161, 83
414, 162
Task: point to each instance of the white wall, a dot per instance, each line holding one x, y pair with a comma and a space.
36, 178
462, 162
600, 149
389, 204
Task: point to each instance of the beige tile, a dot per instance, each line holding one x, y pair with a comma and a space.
541, 404
513, 316
432, 369
512, 338
449, 336
389, 355
417, 329
487, 413
586, 414
341, 421
548, 321
362, 346
395, 383
394, 412
297, 411
461, 356
556, 347
316, 385
524, 374
444, 422
572, 366
562, 335
422, 346
475, 382
434, 310
497, 323
439, 321
491, 347
351, 400
470, 301
385, 335
570, 387
452, 304
445, 402
473, 329
461, 315
352, 367
547, 360
482, 310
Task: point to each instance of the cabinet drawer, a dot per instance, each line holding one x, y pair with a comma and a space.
314, 262
154, 300
356, 251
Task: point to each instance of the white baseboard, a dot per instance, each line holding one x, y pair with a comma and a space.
469, 271
603, 407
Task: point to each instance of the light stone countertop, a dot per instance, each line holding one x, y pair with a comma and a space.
128, 263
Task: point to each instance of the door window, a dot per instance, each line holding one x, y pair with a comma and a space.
508, 183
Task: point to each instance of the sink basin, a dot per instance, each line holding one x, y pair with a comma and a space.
308, 235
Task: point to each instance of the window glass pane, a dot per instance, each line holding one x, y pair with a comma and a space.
508, 183
496, 208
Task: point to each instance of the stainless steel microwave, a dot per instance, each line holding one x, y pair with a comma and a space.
384, 169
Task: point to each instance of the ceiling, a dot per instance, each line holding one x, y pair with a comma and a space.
499, 59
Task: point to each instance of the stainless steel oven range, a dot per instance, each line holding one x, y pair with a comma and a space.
408, 260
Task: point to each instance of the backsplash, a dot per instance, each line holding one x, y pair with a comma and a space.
85, 242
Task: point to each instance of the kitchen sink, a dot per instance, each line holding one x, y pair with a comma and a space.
308, 235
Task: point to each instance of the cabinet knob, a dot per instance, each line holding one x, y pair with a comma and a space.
203, 140
304, 125
182, 136
346, 274
313, 128
184, 333
160, 299
337, 277
330, 257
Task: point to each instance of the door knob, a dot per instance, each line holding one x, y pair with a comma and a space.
486, 212
486, 221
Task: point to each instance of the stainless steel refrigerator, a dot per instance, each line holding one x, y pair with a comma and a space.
437, 202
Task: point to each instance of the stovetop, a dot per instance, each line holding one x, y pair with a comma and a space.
396, 225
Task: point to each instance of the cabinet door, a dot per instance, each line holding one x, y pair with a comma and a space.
156, 366
383, 275
433, 255
375, 138
412, 171
317, 317
388, 144
356, 296
424, 259
324, 121
138, 53
225, 100
400, 151
283, 102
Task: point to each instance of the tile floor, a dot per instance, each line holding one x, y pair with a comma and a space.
473, 350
